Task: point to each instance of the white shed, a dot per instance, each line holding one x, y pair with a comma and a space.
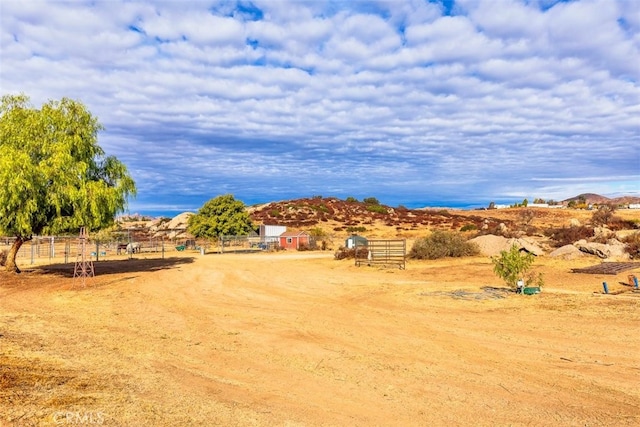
271, 233
354, 240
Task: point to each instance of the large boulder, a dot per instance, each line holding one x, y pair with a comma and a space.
491, 245
527, 245
612, 250
567, 252
174, 229
179, 222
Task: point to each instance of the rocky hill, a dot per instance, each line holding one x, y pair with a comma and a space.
340, 218
340, 215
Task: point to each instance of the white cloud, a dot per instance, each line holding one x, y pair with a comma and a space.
502, 97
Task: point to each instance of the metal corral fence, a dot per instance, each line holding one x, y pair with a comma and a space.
381, 252
242, 244
66, 249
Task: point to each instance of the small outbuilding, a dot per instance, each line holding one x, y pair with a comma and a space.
294, 239
271, 233
355, 240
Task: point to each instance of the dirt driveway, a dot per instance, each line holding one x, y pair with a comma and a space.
299, 339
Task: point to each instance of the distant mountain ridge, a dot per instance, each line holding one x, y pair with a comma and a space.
592, 198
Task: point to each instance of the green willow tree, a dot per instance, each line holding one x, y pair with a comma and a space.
54, 175
221, 216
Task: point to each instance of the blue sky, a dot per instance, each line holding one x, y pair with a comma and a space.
413, 102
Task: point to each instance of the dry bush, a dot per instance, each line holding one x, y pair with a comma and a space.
616, 223
525, 216
302, 247
3, 257
603, 215
345, 253
442, 244
632, 245
568, 235
350, 253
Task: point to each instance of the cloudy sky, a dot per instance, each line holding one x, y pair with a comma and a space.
416, 103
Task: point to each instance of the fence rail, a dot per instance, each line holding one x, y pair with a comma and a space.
381, 252
54, 249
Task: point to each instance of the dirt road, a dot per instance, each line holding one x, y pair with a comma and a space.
293, 339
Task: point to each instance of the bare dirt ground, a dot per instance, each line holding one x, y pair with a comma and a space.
300, 339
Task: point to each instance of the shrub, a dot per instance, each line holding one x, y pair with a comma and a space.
359, 229
617, 223
377, 209
441, 244
603, 215
3, 257
351, 199
319, 235
526, 215
344, 253
468, 227
371, 201
514, 265
568, 235
632, 245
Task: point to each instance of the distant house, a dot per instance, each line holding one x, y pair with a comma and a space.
294, 239
354, 240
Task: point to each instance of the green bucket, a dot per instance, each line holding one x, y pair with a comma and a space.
531, 291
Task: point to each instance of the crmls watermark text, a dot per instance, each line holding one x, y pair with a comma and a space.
78, 417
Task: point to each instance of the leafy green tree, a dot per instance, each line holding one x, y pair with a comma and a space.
221, 216
55, 177
514, 265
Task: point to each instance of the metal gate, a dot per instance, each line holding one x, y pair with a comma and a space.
382, 252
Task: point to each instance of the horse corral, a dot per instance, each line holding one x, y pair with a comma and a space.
47, 249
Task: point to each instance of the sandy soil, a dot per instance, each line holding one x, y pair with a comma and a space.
300, 339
